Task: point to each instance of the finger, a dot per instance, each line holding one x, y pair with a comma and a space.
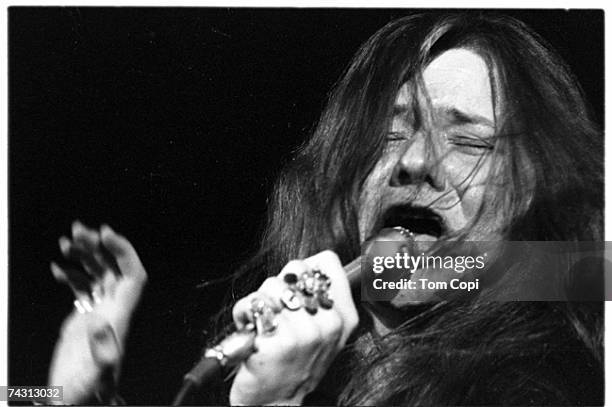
89, 237
64, 245
87, 258
108, 283
320, 333
329, 263
331, 324
77, 252
241, 312
300, 340
59, 274
339, 290
296, 267
296, 338
124, 253
89, 240
272, 289
78, 281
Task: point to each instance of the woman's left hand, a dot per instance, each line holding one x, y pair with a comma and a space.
87, 357
291, 361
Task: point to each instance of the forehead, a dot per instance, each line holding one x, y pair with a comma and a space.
457, 79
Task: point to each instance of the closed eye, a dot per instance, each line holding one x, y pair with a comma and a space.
397, 135
470, 144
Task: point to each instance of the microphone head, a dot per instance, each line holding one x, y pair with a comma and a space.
403, 238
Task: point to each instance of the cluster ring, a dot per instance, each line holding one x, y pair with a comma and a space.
309, 291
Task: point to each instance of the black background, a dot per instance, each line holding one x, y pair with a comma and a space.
171, 125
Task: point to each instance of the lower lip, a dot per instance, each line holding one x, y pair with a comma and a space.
425, 238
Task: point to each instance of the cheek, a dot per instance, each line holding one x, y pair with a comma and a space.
471, 201
468, 176
378, 179
372, 192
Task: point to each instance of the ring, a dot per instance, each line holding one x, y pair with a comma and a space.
83, 306
264, 317
315, 284
310, 291
291, 299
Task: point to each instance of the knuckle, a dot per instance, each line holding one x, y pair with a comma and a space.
141, 275
269, 280
268, 283
128, 251
329, 255
351, 321
293, 266
131, 257
294, 262
240, 306
235, 311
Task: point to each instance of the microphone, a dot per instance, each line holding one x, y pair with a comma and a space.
239, 345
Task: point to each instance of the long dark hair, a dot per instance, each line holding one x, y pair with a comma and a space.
472, 352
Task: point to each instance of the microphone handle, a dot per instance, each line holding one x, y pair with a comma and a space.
241, 344
353, 272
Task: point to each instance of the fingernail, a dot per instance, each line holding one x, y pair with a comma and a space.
106, 229
57, 272
64, 244
78, 228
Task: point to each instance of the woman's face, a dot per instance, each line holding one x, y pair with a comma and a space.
432, 174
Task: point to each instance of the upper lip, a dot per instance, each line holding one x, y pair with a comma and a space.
417, 219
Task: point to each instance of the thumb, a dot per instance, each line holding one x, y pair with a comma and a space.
106, 353
103, 344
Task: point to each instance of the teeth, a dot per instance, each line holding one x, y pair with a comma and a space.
405, 232
414, 219
425, 238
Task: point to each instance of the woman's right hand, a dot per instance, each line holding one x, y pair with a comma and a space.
87, 357
291, 361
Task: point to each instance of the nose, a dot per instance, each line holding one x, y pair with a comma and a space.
419, 164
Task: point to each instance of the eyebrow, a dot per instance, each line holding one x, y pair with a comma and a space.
457, 116
460, 117
401, 109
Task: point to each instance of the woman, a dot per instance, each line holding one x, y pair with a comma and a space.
461, 127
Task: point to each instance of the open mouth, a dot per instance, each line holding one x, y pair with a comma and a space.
417, 219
